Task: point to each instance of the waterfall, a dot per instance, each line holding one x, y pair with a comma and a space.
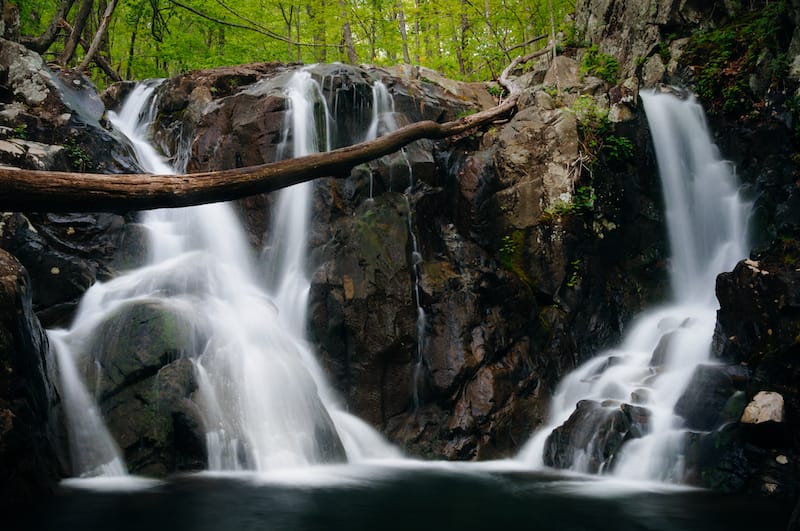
646, 375
384, 121
264, 399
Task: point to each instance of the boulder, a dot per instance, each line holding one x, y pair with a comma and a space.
145, 384
714, 396
30, 429
766, 406
588, 439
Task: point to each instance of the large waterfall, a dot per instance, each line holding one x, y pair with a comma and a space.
646, 375
265, 403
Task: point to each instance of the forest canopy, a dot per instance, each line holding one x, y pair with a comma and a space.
464, 39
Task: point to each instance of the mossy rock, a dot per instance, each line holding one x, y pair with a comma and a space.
134, 344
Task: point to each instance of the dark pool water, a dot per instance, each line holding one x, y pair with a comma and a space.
401, 498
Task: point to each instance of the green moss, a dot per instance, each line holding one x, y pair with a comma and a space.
575, 273
512, 253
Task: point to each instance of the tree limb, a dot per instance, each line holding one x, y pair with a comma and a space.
98, 59
98, 36
46, 191
45, 40
254, 28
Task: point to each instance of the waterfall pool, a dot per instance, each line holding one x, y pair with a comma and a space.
404, 495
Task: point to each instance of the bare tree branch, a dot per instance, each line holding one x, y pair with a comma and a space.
257, 28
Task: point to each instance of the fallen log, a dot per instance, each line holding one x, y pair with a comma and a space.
50, 191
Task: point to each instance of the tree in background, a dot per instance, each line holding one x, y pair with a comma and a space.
135, 39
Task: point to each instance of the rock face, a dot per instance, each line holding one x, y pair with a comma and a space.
757, 327
448, 304
55, 121
645, 36
29, 464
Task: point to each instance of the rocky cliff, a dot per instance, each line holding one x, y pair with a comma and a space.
741, 60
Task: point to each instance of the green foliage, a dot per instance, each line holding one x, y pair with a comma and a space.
618, 148
724, 58
511, 254
160, 38
20, 131
599, 64
665, 51
77, 157
575, 273
596, 132
793, 106
582, 201
572, 36
494, 89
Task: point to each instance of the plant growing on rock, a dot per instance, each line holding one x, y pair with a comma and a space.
596, 133
723, 59
599, 64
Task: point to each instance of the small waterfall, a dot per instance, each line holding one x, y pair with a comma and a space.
645, 376
263, 396
384, 121
92, 449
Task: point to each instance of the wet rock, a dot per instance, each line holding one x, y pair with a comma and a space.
639, 418
67, 253
661, 352
588, 439
144, 384
711, 397
363, 312
757, 327
717, 460
30, 430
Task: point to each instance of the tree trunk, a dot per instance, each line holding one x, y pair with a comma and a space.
100, 61
347, 34
401, 20
77, 30
44, 191
98, 37
46, 39
132, 47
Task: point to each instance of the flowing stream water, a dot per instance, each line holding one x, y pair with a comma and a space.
265, 400
268, 407
264, 397
707, 222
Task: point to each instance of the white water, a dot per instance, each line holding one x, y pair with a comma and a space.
707, 222
384, 121
265, 400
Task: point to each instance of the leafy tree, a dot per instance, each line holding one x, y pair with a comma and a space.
468, 39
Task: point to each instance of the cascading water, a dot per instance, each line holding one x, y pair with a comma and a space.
647, 374
264, 399
384, 121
